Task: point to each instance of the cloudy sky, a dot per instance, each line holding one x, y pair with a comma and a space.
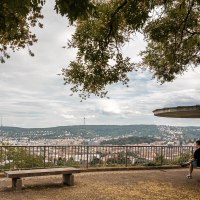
33, 95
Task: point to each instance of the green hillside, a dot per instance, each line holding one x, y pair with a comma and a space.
92, 131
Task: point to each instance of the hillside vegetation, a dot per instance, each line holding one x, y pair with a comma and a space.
92, 131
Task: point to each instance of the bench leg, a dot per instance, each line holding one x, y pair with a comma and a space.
17, 184
68, 179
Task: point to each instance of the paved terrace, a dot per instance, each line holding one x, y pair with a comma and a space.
169, 184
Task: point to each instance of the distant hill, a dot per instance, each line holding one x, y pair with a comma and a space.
88, 131
92, 131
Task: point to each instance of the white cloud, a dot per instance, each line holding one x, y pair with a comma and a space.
68, 116
109, 106
90, 116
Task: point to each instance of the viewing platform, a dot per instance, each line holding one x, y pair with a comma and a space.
165, 184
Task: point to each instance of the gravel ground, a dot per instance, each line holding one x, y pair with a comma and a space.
119, 185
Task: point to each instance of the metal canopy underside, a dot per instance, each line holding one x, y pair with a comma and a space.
179, 112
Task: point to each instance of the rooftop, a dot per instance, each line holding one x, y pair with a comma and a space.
179, 112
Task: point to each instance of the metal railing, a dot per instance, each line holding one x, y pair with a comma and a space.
21, 157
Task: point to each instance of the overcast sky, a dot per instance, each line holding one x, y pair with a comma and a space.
33, 95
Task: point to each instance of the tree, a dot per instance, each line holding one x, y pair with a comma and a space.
95, 161
159, 159
20, 157
171, 29
184, 157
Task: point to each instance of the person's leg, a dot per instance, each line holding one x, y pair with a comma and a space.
191, 167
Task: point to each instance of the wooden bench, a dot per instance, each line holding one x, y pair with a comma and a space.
68, 177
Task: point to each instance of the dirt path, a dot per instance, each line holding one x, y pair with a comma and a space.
123, 185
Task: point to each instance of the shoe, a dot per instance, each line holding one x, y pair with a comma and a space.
189, 176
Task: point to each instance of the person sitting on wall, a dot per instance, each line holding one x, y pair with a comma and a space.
195, 161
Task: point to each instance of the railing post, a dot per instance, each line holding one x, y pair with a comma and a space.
126, 157
87, 155
44, 156
161, 157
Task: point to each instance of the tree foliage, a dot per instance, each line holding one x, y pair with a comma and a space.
129, 140
20, 157
16, 18
171, 29
174, 38
99, 39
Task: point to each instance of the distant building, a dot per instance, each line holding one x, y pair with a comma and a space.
170, 144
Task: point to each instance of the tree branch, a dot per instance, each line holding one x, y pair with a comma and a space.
107, 38
186, 18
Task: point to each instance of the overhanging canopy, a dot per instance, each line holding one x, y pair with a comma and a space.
179, 112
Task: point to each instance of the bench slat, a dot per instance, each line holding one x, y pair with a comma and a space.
40, 172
